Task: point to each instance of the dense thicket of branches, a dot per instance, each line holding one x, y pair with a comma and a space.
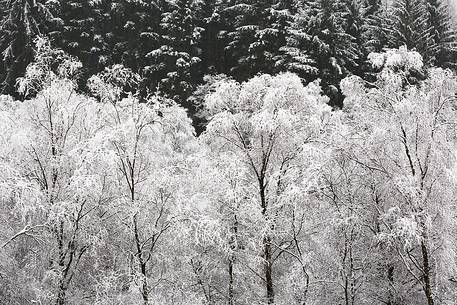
172, 44
111, 198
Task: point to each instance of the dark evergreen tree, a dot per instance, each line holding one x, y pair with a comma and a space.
210, 17
84, 32
410, 28
258, 33
175, 66
442, 33
282, 15
22, 22
354, 26
135, 31
319, 31
375, 33
375, 29
296, 54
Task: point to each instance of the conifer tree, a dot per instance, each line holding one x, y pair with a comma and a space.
136, 26
296, 56
175, 65
354, 24
410, 28
22, 22
375, 32
319, 31
444, 37
84, 31
282, 14
214, 38
259, 31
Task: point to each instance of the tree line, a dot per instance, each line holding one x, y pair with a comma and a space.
172, 45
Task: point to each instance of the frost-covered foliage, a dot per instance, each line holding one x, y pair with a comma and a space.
50, 65
403, 138
47, 138
275, 132
397, 59
80, 173
111, 84
281, 200
143, 145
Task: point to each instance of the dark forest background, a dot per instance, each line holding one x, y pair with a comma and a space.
173, 45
